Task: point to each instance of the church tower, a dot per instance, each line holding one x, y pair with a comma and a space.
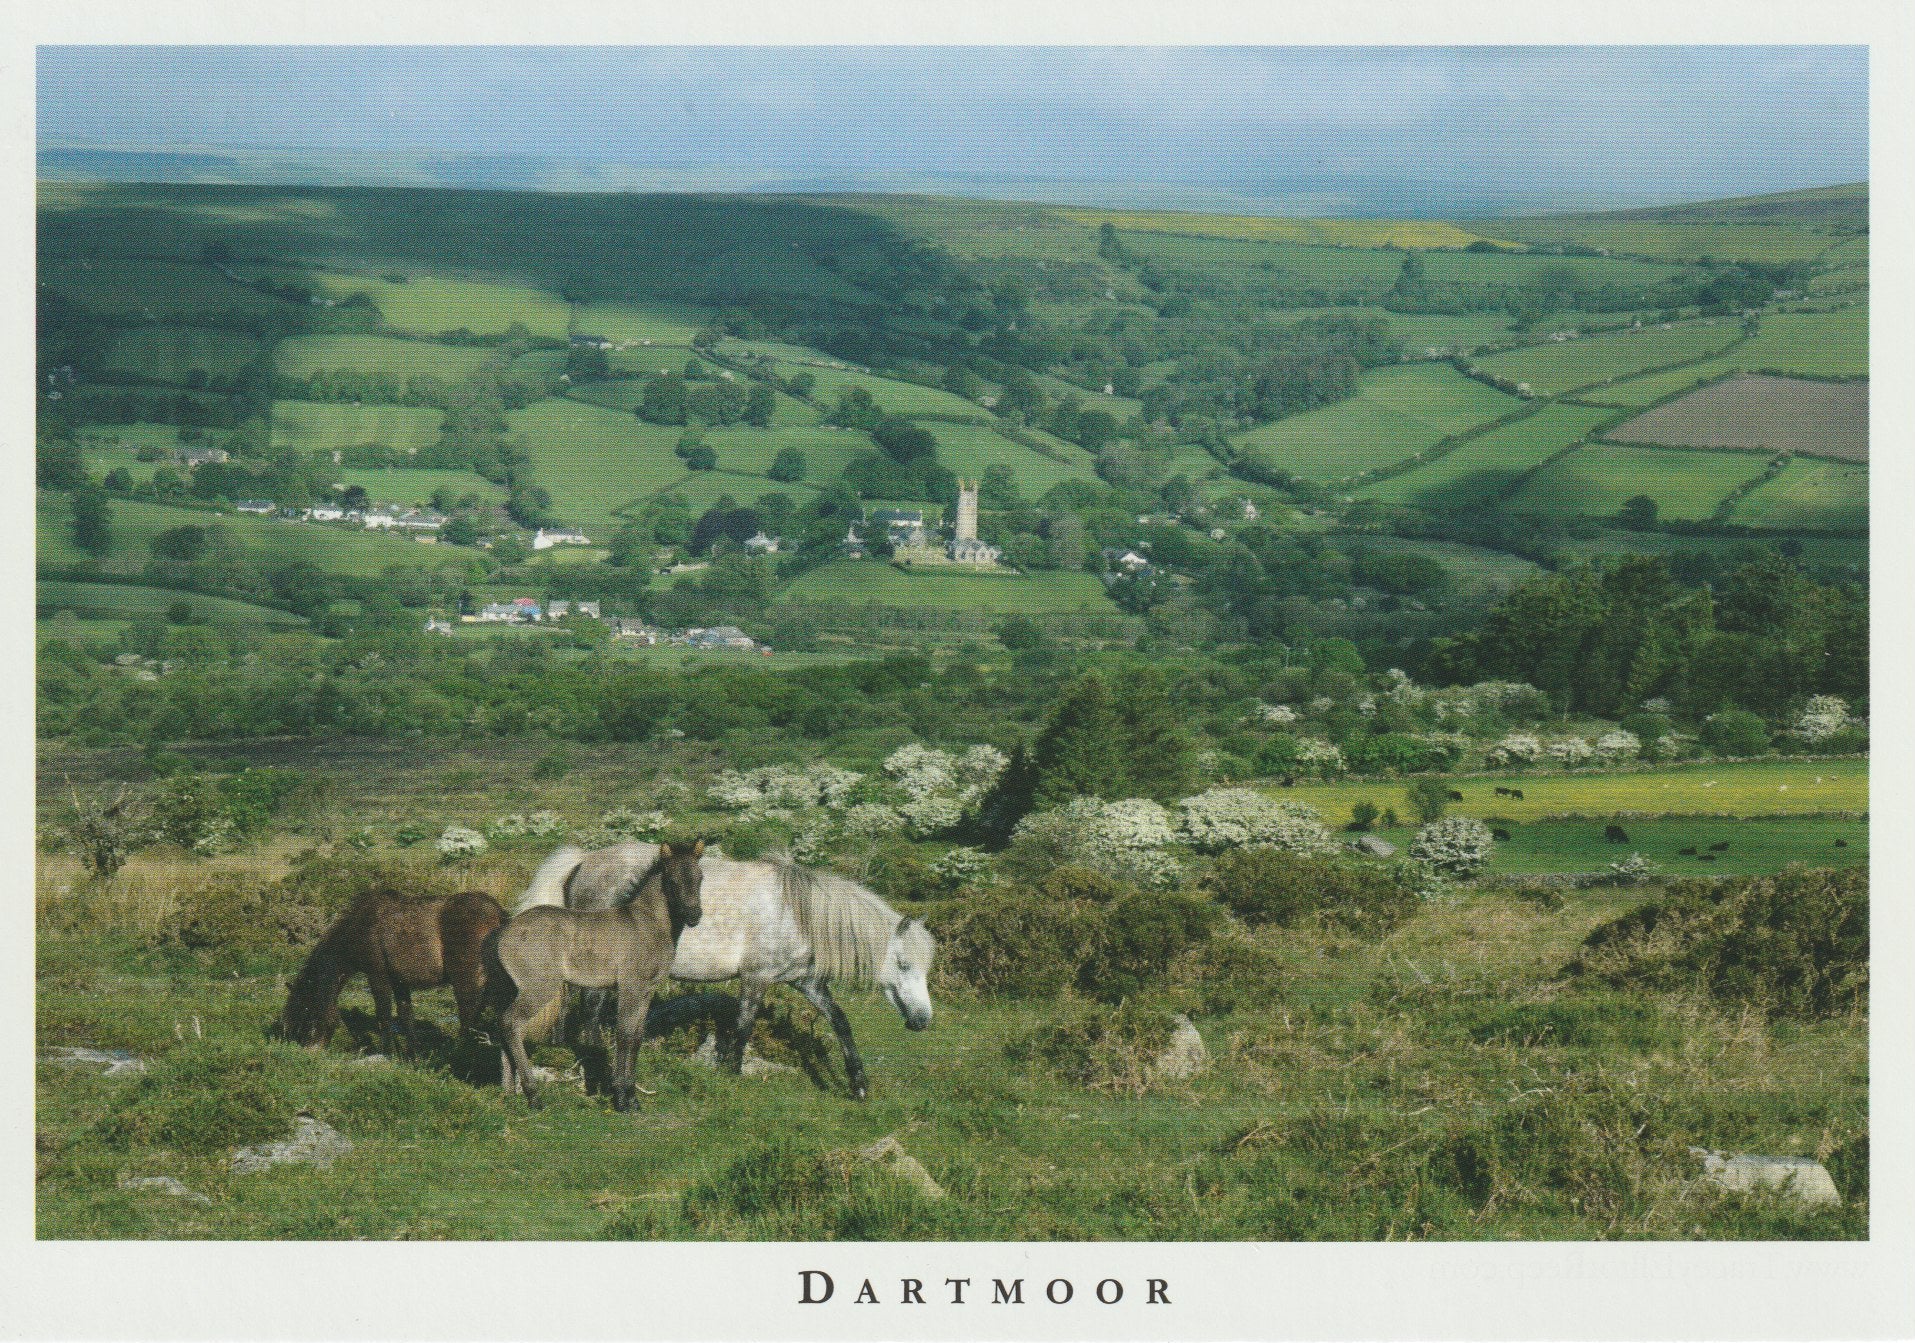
967, 511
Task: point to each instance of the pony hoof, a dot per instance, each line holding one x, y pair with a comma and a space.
532, 1102
860, 1092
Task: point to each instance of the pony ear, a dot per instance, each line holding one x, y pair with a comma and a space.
698, 848
665, 850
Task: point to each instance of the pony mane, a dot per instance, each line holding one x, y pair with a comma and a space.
636, 882
848, 926
548, 883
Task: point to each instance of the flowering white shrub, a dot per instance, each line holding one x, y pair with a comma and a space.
1822, 717
775, 785
1322, 704
1517, 748
506, 827
542, 823
1657, 705
1278, 713
980, 767
220, 835
1571, 751
1631, 870
458, 841
1618, 744
961, 865
1122, 839
927, 816
1455, 846
921, 770
1322, 756
625, 823
867, 820
1225, 818
807, 846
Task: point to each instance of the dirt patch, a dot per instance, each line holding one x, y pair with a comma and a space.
1828, 419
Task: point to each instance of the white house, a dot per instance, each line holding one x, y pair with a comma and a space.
763, 545
325, 513
260, 506
545, 540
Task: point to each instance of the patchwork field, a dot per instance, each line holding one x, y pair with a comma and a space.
1809, 494
861, 582
660, 323
1829, 419
1396, 412
319, 426
1485, 466
1594, 481
174, 353
1367, 233
303, 356
1553, 368
898, 398
1816, 344
970, 449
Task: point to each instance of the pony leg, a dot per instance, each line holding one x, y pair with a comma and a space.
633, 1004
382, 1006
819, 995
751, 997
516, 1068
402, 994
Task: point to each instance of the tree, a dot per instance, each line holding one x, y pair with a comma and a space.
1428, 798
182, 544
1638, 513
92, 520
903, 441
701, 458
787, 466
662, 401
760, 403
1735, 732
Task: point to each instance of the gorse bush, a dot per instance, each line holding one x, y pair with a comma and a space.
1014, 943
1795, 944
1141, 934
1455, 846
1262, 886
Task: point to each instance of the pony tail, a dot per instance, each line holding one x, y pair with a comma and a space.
548, 883
546, 1017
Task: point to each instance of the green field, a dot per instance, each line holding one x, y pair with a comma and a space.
1818, 344
898, 398
404, 485
303, 356
861, 582
971, 449
1481, 468
1553, 368
320, 426
1754, 846
431, 303
123, 602
1809, 494
332, 547
155, 291
1727, 789
1472, 569
658, 323
1594, 481
594, 461
171, 353
1396, 413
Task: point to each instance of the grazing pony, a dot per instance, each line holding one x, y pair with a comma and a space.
769, 923
627, 945
399, 945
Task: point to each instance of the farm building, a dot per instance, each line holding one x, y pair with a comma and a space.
263, 507
545, 540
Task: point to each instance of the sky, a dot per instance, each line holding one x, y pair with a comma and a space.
1323, 130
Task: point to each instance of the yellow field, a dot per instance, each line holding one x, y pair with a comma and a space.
1751, 788
1253, 228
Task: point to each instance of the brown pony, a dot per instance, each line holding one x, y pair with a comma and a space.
399, 945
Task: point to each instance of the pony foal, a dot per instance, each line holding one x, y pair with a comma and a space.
627, 946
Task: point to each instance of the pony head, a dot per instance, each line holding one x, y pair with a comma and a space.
907, 963
684, 882
311, 1014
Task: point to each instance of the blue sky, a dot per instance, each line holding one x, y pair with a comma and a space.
1322, 130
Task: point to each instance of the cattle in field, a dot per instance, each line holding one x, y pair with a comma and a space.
1615, 834
1499, 834
1719, 846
